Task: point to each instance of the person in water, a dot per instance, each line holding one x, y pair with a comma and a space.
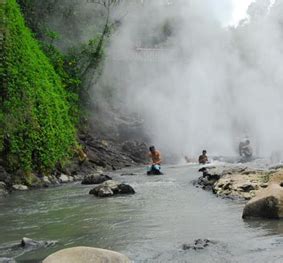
245, 150
203, 158
155, 157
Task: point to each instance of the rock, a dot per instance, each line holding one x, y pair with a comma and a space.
64, 179
268, 203
126, 189
46, 180
30, 243
20, 187
86, 254
95, 179
136, 150
198, 244
110, 188
247, 187
102, 191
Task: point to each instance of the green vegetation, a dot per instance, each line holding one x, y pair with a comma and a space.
38, 106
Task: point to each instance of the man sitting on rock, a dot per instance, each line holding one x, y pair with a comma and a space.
203, 158
245, 150
155, 166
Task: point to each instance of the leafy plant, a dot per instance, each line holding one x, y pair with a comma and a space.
36, 128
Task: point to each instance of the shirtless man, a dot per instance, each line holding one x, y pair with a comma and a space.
203, 158
155, 157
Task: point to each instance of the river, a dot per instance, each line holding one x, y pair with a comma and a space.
150, 226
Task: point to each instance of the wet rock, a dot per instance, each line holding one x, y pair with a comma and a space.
29, 243
126, 189
20, 187
95, 179
102, 191
268, 203
86, 254
198, 244
110, 188
64, 179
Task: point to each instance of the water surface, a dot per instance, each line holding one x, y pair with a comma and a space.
150, 226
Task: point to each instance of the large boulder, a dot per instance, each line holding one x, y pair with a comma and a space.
96, 179
267, 204
86, 254
110, 188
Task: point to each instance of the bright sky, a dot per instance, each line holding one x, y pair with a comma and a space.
239, 10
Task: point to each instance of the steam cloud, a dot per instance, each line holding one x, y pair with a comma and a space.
202, 85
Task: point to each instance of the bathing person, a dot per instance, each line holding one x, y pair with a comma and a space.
155, 157
203, 158
245, 150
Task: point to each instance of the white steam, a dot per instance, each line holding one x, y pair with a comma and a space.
202, 85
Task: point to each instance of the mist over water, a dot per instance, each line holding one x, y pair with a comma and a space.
203, 85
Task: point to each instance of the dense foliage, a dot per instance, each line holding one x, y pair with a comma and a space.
37, 130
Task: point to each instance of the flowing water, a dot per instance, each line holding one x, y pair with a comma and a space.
150, 226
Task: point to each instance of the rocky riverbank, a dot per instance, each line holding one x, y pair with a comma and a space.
96, 155
236, 182
261, 188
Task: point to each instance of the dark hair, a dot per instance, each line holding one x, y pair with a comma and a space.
204, 151
151, 148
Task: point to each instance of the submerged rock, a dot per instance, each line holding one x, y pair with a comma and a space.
110, 188
198, 244
86, 254
96, 179
30, 243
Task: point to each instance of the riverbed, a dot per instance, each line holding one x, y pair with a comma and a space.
150, 226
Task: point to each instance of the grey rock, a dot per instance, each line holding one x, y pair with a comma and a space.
102, 191
266, 204
29, 243
20, 187
110, 188
198, 244
64, 179
86, 254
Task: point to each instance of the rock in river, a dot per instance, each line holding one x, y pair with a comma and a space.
30, 243
86, 254
267, 204
20, 187
110, 188
198, 244
95, 179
